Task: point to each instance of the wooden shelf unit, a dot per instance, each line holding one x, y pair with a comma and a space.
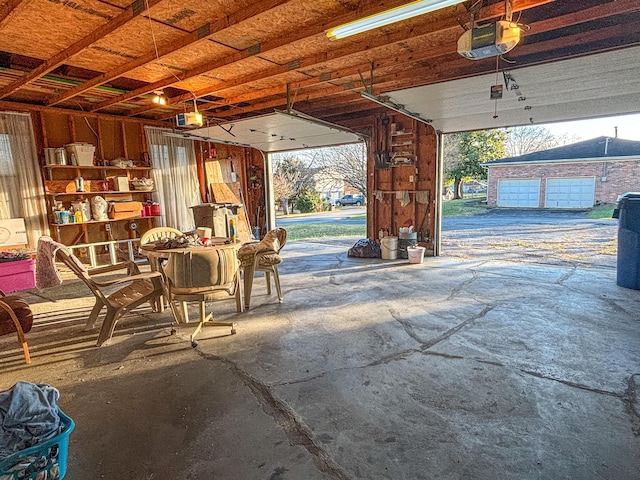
60, 187
402, 152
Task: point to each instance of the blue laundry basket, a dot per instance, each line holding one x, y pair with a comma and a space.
46, 460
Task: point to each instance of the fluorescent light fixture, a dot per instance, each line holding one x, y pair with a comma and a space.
385, 102
397, 14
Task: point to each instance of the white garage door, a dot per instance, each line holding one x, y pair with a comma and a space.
576, 192
519, 193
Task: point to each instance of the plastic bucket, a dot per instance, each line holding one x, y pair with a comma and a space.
389, 247
416, 254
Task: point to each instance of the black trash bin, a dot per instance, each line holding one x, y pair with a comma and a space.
627, 212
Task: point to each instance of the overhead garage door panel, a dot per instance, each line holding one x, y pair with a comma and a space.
519, 193
576, 192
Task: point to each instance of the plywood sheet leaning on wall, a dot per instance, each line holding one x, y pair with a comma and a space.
231, 193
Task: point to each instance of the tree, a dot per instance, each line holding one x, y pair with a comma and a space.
528, 139
465, 152
286, 180
347, 163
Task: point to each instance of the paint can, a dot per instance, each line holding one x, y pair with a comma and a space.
407, 239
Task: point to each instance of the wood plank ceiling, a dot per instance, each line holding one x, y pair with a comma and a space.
241, 58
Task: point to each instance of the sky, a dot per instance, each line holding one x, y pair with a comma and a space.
628, 127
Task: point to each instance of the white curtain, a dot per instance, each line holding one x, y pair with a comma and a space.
21, 187
175, 176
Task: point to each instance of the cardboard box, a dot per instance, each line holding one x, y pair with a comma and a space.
121, 210
18, 275
12, 232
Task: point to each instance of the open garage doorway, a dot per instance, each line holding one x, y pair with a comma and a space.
321, 193
548, 195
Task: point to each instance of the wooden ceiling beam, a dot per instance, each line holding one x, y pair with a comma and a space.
428, 29
621, 7
605, 10
200, 34
489, 12
31, 108
455, 68
447, 67
278, 42
138, 7
624, 6
7, 9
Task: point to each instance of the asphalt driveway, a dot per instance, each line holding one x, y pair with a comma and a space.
527, 235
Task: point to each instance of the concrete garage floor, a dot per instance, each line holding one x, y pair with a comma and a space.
459, 368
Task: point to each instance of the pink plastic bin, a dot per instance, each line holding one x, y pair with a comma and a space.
18, 275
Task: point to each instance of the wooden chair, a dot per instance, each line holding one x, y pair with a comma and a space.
16, 317
159, 233
137, 288
202, 275
262, 256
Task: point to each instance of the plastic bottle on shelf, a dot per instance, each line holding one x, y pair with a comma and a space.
232, 230
78, 216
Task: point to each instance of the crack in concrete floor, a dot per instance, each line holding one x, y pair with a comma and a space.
294, 427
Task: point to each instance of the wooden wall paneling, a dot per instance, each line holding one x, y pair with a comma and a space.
427, 151
123, 133
72, 128
84, 131
389, 214
111, 139
134, 141
201, 155
100, 143
57, 129
241, 172
118, 146
145, 157
40, 134
255, 193
38, 117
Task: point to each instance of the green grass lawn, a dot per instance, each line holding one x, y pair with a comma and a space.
464, 206
319, 230
601, 211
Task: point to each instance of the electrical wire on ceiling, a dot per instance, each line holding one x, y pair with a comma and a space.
155, 47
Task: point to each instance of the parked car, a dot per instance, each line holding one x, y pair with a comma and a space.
350, 200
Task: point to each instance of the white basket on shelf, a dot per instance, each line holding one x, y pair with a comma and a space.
81, 154
142, 184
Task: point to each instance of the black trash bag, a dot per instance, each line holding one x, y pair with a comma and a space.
365, 248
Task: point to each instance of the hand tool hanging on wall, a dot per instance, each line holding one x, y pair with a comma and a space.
382, 153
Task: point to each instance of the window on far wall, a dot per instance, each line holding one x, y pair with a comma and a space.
10, 206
